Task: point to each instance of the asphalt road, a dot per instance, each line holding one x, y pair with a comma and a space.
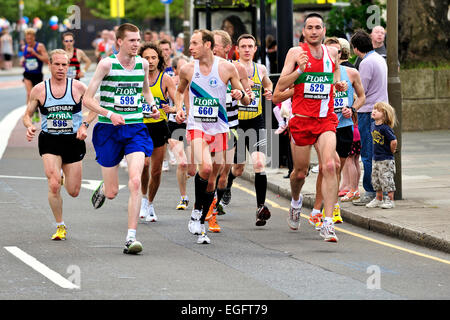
242, 262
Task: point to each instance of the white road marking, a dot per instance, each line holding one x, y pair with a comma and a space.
7, 125
41, 268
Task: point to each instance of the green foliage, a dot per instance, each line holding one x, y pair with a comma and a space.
43, 9
345, 20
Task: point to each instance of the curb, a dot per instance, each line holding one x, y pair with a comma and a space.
376, 225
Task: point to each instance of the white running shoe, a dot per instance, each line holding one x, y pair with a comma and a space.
172, 159
328, 234
375, 203
151, 217
203, 237
387, 204
294, 218
315, 169
123, 163
194, 225
165, 165
143, 213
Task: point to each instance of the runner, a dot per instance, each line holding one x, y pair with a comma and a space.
34, 56
207, 124
161, 86
251, 122
313, 118
178, 143
222, 45
61, 140
120, 129
76, 56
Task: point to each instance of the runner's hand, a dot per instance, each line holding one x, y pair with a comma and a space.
236, 94
167, 109
267, 94
117, 119
341, 86
31, 132
302, 59
155, 113
82, 132
347, 112
180, 117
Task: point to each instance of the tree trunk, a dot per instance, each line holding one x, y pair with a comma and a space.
424, 31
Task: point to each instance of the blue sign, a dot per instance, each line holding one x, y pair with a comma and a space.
166, 1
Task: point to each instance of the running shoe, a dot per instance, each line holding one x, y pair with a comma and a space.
388, 204
212, 207
375, 203
143, 213
262, 215
61, 232
350, 196
203, 237
151, 217
132, 246
328, 234
194, 225
183, 204
98, 197
316, 221
219, 209
123, 163
226, 198
213, 225
165, 165
337, 214
294, 218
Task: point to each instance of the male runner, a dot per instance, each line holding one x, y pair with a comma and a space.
207, 126
222, 45
162, 87
61, 140
76, 56
251, 122
122, 79
313, 118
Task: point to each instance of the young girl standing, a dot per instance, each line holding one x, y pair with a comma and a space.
384, 147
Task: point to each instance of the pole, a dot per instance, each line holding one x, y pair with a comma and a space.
394, 88
186, 27
21, 6
262, 19
285, 30
208, 14
167, 27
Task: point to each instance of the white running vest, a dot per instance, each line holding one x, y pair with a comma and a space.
207, 97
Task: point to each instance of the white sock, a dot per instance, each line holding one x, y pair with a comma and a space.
315, 211
297, 203
327, 221
60, 223
131, 234
184, 197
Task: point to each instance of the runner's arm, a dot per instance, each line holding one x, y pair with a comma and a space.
357, 85
282, 96
169, 86
89, 98
84, 58
266, 83
147, 93
237, 91
179, 93
31, 108
289, 73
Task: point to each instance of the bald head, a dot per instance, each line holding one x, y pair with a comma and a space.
377, 35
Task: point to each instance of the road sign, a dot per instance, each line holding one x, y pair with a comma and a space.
117, 8
166, 1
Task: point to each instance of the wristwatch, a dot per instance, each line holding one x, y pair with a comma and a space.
243, 94
86, 124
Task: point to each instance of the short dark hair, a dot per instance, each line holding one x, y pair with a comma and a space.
207, 36
66, 34
361, 40
120, 33
165, 41
245, 36
314, 15
150, 45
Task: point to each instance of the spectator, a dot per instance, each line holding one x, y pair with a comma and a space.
377, 36
235, 28
373, 72
6, 52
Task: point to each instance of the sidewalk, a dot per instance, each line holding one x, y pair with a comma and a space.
421, 217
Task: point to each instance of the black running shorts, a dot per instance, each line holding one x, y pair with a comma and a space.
67, 146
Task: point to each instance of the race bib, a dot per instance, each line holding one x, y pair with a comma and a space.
31, 64
60, 122
147, 109
317, 85
126, 98
72, 72
340, 100
206, 109
253, 106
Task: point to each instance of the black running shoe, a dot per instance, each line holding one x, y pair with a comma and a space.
98, 197
226, 198
262, 214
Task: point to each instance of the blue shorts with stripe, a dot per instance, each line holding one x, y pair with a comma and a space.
111, 142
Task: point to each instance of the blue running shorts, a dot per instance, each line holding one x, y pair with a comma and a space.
111, 142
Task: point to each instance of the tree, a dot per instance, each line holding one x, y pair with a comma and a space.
424, 31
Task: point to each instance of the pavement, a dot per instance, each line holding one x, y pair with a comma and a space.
421, 216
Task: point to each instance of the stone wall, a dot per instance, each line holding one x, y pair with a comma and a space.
426, 99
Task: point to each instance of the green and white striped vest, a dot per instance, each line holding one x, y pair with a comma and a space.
121, 90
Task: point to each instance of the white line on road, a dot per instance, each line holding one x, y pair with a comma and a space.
7, 125
41, 268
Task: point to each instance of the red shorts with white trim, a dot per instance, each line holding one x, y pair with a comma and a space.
216, 143
306, 130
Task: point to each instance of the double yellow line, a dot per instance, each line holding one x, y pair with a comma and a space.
386, 244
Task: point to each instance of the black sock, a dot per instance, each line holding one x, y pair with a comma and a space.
220, 193
208, 198
260, 188
231, 178
200, 188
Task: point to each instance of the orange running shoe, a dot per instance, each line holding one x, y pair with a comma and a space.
213, 226
211, 209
